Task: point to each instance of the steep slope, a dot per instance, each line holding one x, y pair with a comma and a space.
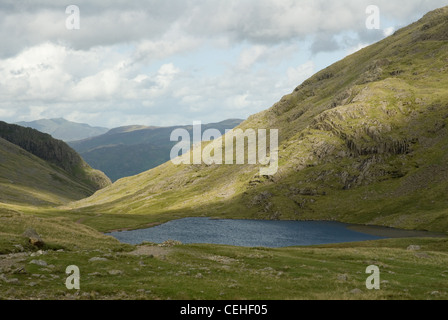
363, 141
63, 129
127, 151
28, 180
36, 162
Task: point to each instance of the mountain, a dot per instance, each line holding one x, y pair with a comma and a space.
362, 141
64, 130
127, 151
37, 169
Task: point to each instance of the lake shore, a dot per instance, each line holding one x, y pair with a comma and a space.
388, 232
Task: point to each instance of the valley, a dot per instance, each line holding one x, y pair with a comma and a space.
364, 141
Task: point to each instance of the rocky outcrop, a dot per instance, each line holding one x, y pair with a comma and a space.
33, 238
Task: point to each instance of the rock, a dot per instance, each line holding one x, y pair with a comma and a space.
33, 238
94, 274
115, 272
41, 263
12, 281
32, 284
267, 269
37, 253
95, 259
342, 277
356, 291
199, 276
170, 243
413, 248
435, 293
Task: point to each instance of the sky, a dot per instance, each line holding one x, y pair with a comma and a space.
172, 62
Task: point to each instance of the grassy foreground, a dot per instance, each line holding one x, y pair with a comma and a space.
110, 270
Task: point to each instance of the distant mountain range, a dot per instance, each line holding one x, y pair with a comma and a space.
127, 151
64, 130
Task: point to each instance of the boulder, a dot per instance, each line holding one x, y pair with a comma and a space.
40, 263
95, 259
33, 238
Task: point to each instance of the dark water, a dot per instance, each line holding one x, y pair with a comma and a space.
247, 233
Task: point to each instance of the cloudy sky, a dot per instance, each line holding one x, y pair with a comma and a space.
167, 62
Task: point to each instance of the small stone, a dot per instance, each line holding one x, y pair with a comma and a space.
32, 284
11, 291
94, 274
356, 291
115, 272
413, 248
199, 276
435, 293
41, 263
37, 253
95, 259
12, 281
342, 277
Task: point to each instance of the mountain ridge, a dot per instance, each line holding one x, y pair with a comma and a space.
362, 141
58, 161
65, 130
127, 151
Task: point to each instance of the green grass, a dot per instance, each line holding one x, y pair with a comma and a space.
29, 180
216, 272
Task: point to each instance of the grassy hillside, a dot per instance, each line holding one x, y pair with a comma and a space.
127, 151
110, 270
363, 141
55, 152
28, 180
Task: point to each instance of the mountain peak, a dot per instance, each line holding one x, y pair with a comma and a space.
65, 130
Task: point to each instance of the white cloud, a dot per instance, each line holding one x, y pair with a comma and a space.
389, 31
249, 56
169, 62
295, 76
